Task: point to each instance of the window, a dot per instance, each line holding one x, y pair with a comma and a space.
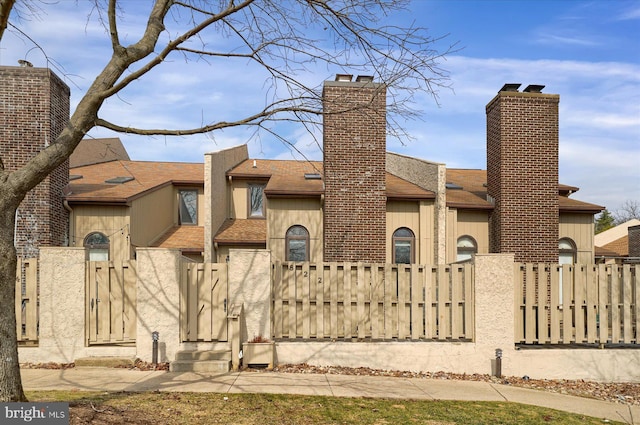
98, 245
297, 242
256, 200
188, 209
467, 248
567, 251
403, 242
566, 255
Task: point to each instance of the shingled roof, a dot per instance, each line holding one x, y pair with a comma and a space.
304, 179
467, 190
96, 151
95, 183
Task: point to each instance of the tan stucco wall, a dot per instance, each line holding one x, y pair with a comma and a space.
62, 311
158, 302
62, 323
250, 286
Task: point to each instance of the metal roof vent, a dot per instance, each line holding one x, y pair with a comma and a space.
364, 78
344, 78
120, 180
533, 88
453, 186
74, 177
312, 176
511, 87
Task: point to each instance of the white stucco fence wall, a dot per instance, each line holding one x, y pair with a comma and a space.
62, 323
62, 311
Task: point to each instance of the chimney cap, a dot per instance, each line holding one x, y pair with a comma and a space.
511, 87
364, 78
534, 88
344, 77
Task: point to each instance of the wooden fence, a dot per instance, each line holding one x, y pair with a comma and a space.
203, 302
26, 301
577, 304
111, 302
357, 301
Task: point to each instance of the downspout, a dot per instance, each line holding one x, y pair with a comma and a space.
15, 229
68, 208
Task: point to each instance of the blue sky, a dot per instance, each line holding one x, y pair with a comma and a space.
588, 52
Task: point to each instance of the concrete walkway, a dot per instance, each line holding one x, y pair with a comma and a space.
109, 379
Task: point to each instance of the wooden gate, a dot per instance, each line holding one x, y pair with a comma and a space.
203, 302
111, 302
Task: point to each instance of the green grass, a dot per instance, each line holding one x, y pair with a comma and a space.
270, 409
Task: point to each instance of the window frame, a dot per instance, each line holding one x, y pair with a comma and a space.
469, 251
289, 237
412, 244
180, 200
573, 250
97, 247
250, 214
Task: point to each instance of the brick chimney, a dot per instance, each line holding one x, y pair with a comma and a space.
34, 108
522, 173
354, 169
634, 243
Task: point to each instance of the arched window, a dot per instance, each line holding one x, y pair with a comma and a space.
98, 246
467, 248
403, 246
567, 251
297, 242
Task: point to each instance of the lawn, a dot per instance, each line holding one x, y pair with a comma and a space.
160, 408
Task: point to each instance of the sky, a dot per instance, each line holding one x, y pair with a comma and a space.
588, 52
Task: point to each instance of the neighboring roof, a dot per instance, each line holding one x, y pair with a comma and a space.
472, 193
187, 238
147, 176
242, 231
96, 151
615, 233
619, 246
287, 178
602, 252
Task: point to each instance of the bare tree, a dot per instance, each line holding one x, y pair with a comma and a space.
283, 37
630, 209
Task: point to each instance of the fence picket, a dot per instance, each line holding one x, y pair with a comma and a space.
627, 300
529, 304
615, 305
604, 304
417, 303
373, 301
591, 303
580, 273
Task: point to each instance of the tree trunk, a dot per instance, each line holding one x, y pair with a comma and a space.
10, 381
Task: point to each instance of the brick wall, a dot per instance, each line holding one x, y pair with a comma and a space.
34, 108
634, 241
354, 171
522, 175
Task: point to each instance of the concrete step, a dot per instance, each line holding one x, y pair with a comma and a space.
212, 361
105, 362
204, 355
208, 366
